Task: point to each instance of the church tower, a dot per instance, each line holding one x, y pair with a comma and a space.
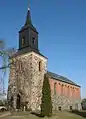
27, 70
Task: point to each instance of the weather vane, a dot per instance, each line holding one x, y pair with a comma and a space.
28, 4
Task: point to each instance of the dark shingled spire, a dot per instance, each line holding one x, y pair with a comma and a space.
28, 18
29, 21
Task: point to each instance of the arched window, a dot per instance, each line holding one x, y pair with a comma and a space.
65, 90
68, 91
23, 40
11, 101
33, 40
55, 88
73, 94
62, 89
40, 66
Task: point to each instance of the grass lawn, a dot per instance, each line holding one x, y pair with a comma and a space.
2, 113
59, 115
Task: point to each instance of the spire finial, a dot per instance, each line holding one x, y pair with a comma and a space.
28, 18
28, 5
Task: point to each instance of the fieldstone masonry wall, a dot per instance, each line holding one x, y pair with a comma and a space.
26, 80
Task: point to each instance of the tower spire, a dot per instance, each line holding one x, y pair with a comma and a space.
28, 18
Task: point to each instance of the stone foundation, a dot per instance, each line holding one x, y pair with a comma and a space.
65, 103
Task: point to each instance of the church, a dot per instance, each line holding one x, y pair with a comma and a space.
27, 70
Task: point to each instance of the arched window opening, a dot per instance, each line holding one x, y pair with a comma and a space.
62, 89
73, 95
65, 90
33, 40
55, 88
68, 90
11, 101
23, 40
40, 66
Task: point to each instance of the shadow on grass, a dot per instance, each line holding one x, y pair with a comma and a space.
20, 113
37, 114
80, 113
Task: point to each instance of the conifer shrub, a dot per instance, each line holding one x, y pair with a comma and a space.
46, 105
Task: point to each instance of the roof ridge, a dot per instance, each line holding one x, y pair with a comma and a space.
61, 78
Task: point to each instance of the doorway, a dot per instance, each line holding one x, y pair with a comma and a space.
70, 107
18, 101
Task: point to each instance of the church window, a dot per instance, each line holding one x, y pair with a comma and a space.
68, 91
11, 101
55, 88
40, 66
33, 40
23, 40
62, 89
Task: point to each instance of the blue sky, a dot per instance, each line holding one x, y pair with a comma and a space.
62, 33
